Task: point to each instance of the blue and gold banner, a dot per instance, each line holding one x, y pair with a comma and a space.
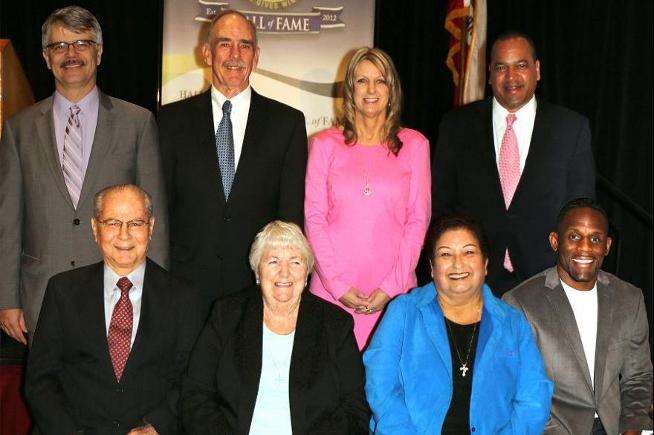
280, 22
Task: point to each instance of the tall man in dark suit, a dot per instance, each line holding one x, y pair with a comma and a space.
512, 161
233, 161
591, 328
113, 338
54, 156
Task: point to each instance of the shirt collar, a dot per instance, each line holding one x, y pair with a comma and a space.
237, 100
88, 104
529, 109
136, 277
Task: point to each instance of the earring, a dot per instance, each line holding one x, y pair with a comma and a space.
258, 282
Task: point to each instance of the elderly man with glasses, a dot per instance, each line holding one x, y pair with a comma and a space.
113, 337
54, 156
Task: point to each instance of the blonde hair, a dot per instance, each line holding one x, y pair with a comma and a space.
384, 64
280, 234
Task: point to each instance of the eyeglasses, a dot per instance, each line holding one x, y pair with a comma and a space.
117, 225
62, 47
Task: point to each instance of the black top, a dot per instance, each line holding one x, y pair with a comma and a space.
460, 338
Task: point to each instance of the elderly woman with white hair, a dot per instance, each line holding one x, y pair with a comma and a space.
273, 358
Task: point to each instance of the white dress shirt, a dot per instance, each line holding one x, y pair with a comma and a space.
523, 128
239, 116
112, 294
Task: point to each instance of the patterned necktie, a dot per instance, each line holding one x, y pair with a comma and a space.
509, 166
225, 149
120, 329
71, 162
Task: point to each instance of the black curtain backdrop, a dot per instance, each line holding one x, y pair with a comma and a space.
596, 58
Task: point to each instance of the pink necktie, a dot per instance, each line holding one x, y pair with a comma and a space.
509, 166
71, 161
120, 329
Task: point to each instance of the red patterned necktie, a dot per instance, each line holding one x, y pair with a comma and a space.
120, 329
509, 168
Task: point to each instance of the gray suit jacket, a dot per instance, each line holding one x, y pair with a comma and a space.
41, 234
623, 368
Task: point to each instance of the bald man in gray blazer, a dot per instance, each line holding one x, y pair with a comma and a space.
45, 225
591, 328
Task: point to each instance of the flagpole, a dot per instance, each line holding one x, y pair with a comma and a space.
465, 25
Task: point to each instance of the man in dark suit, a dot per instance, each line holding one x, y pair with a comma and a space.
113, 337
233, 161
512, 161
54, 156
591, 328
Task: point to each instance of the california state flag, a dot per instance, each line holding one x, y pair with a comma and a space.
466, 58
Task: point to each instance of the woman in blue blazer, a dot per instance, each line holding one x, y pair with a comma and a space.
449, 357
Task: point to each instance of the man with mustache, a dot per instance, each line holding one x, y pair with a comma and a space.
512, 161
54, 156
233, 161
592, 331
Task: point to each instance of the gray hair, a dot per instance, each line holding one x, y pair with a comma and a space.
280, 234
224, 13
73, 18
98, 201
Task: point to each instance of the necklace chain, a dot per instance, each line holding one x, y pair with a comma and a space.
464, 364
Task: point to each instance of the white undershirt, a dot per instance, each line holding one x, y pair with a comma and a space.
272, 411
584, 307
523, 126
239, 116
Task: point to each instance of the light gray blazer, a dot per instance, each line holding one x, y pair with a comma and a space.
41, 233
623, 368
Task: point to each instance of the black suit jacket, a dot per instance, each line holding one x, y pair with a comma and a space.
326, 378
559, 167
210, 238
70, 383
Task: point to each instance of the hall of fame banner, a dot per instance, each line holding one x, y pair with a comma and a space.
304, 45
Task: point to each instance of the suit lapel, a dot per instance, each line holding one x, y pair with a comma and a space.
102, 141
251, 144
562, 310
306, 357
150, 310
91, 312
604, 332
434, 324
47, 140
248, 350
201, 123
537, 154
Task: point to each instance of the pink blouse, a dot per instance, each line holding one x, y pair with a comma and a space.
366, 214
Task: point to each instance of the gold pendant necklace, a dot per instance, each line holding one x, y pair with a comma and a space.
464, 364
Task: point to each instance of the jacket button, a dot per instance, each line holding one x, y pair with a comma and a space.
72, 263
472, 429
76, 221
227, 219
